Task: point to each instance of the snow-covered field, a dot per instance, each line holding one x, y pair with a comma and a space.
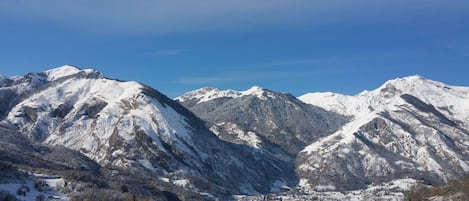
392, 191
50, 192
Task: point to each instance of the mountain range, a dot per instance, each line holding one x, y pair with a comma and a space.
216, 144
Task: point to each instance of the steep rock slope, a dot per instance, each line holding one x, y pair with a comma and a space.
274, 123
408, 128
127, 125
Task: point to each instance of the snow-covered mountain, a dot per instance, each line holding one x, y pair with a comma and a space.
238, 142
275, 125
409, 127
206, 94
127, 125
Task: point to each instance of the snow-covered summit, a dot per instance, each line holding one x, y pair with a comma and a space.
209, 93
257, 91
61, 71
65, 70
415, 85
253, 90
432, 92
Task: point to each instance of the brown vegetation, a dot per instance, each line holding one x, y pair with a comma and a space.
454, 190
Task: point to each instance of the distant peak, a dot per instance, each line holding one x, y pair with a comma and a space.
416, 76
409, 81
411, 78
207, 93
206, 89
255, 88
259, 92
202, 91
415, 85
65, 68
62, 71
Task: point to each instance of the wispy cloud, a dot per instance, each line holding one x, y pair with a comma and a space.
156, 15
168, 52
185, 15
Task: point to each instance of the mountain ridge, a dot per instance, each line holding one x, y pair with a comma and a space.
257, 141
250, 105
131, 126
407, 128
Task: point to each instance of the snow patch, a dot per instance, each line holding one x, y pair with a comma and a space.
33, 193
325, 188
181, 182
250, 138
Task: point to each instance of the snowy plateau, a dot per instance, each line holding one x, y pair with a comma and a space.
122, 138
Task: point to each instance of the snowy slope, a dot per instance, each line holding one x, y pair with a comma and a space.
94, 109
409, 127
128, 125
49, 193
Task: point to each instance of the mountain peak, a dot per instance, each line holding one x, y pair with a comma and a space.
413, 77
67, 70
253, 90
414, 84
409, 80
207, 93
62, 71
257, 91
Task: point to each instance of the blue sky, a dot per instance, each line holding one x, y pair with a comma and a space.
295, 46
